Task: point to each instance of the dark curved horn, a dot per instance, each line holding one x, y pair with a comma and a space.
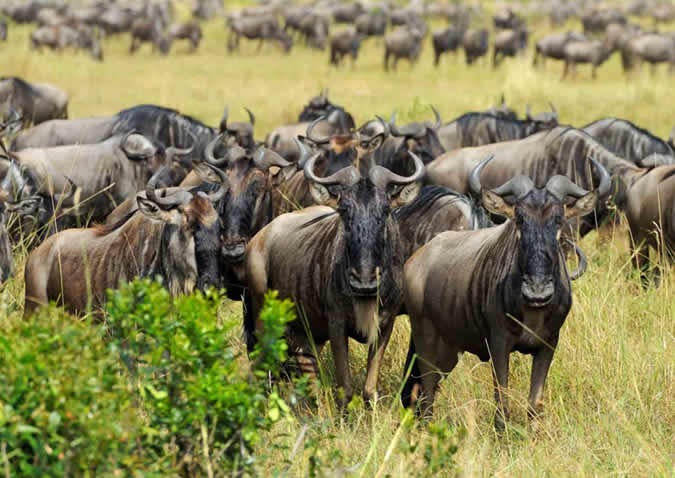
304, 153
562, 186
382, 177
266, 158
346, 176
384, 124
163, 202
251, 116
583, 262
437, 117
223, 119
474, 178
605, 180
172, 151
210, 147
310, 128
222, 190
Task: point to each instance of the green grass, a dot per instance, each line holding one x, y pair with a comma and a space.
609, 400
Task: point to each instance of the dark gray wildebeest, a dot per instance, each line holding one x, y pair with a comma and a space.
207, 9
105, 174
495, 291
347, 281
553, 46
404, 42
257, 28
146, 30
663, 12
3, 30
117, 19
241, 132
344, 42
347, 12
508, 20
594, 52
59, 37
320, 105
632, 143
475, 43
509, 43
175, 237
190, 31
476, 129
562, 150
597, 20
34, 102
372, 24
650, 210
652, 48
446, 40
314, 28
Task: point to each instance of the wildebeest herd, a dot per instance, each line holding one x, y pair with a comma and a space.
606, 30
464, 225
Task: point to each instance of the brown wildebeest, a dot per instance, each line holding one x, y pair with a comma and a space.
186, 31
495, 291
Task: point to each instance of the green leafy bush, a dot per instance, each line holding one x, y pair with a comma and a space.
64, 406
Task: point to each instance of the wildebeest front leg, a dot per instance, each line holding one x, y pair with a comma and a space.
500, 377
541, 362
375, 354
340, 347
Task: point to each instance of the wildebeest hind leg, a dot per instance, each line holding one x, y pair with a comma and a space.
375, 354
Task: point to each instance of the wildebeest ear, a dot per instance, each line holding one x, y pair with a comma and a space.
494, 203
322, 196
405, 194
152, 210
582, 206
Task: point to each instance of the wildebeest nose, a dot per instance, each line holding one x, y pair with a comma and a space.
537, 293
362, 285
234, 252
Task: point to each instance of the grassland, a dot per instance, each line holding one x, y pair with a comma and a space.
609, 400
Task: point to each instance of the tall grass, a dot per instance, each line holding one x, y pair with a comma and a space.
609, 399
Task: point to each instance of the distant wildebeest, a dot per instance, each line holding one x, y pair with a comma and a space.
509, 43
509, 290
175, 237
650, 210
3, 30
404, 42
257, 28
663, 12
561, 150
372, 24
652, 48
185, 31
347, 281
449, 39
553, 46
475, 43
59, 37
597, 20
35, 103
475, 129
632, 143
206, 9
347, 12
314, 27
595, 52
145, 30
344, 42
116, 19
508, 20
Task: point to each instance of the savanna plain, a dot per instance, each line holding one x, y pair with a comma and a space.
609, 400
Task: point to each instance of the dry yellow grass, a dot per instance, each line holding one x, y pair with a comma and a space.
609, 400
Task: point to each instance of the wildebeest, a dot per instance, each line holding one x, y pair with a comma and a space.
314, 28
145, 30
346, 283
508, 20
372, 24
116, 19
185, 31
509, 43
631, 142
176, 238
553, 46
449, 39
206, 9
652, 48
502, 110
347, 12
594, 52
475, 43
344, 42
242, 132
59, 37
3, 30
35, 103
475, 129
319, 106
650, 210
597, 20
495, 291
404, 42
257, 28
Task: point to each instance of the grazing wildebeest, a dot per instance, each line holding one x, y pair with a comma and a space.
508, 20
631, 142
495, 291
146, 30
594, 52
175, 237
650, 210
509, 43
562, 150
553, 46
344, 42
653, 48
476, 129
79, 37
314, 27
35, 103
346, 283
347, 12
257, 28
475, 43
116, 19
449, 39
404, 42
597, 20
372, 24
185, 31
